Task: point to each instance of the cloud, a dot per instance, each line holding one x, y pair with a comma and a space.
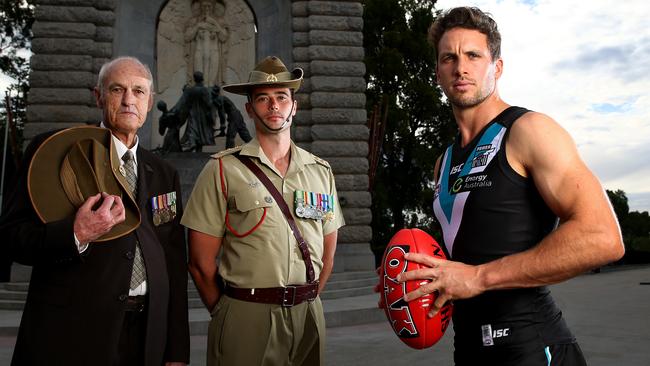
621, 61
5, 81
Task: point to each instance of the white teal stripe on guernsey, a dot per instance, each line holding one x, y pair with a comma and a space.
548, 356
448, 207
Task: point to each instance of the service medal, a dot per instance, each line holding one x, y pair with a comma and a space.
299, 203
164, 215
155, 213
171, 201
329, 216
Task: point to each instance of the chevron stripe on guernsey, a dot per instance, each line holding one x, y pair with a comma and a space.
449, 207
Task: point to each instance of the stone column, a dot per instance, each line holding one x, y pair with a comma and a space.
72, 39
331, 122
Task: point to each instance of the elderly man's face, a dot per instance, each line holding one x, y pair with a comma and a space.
126, 98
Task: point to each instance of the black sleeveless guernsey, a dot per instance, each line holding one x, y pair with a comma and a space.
487, 211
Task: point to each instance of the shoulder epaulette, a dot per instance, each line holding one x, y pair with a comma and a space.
230, 151
322, 161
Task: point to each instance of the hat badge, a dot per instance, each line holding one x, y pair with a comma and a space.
272, 78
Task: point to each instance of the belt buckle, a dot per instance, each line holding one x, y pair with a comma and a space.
285, 302
139, 308
135, 305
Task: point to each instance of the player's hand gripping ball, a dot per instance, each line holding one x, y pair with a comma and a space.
409, 319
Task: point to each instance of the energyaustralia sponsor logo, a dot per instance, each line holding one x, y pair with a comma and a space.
470, 182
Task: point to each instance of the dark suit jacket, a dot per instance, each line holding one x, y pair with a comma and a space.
75, 305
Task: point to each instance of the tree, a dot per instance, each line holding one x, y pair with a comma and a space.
400, 77
16, 18
619, 203
638, 224
635, 228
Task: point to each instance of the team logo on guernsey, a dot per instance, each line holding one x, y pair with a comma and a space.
481, 155
312, 205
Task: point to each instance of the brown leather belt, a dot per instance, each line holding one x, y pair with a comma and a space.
285, 296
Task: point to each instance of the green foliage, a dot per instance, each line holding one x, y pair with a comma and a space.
637, 224
635, 227
619, 202
640, 244
16, 18
400, 68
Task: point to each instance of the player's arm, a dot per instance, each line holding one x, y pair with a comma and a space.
203, 252
329, 248
589, 235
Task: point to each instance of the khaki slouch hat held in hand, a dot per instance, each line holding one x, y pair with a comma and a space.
73, 165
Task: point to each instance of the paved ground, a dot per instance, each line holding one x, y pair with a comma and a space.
609, 312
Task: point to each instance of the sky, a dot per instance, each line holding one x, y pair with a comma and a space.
587, 65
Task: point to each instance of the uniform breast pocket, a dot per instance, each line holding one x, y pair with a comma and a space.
248, 212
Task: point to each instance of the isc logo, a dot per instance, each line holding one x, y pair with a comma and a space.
456, 169
498, 333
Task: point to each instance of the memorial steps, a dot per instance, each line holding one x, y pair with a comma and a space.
348, 299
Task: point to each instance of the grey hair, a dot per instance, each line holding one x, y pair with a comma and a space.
108, 65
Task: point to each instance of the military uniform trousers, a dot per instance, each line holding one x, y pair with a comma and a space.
243, 333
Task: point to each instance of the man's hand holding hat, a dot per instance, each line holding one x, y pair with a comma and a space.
91, 224
90, 185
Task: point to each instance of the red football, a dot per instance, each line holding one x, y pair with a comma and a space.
409, 319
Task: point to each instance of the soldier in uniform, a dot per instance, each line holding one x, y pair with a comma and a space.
263, 292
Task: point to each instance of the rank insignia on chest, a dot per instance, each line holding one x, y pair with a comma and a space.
163, 208
312, 205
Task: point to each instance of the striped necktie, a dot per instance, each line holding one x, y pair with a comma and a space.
139, 273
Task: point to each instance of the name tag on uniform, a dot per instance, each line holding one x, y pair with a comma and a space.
315, 206
163, 208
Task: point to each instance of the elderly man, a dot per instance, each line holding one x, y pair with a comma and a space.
271, 210
109, 277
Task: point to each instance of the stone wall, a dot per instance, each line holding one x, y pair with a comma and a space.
331, 121
72, 39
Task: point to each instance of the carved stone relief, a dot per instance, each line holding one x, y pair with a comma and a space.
216, 37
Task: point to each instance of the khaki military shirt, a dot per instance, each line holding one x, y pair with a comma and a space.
268, 256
